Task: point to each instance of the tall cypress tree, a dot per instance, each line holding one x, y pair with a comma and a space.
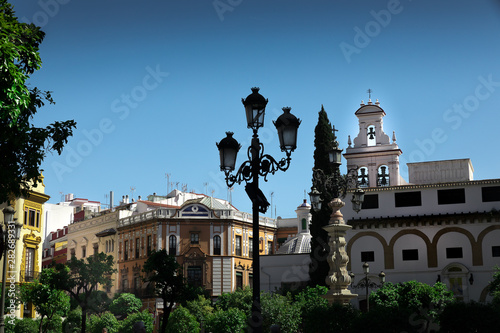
323, 139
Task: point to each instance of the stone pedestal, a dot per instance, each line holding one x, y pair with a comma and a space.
338, 278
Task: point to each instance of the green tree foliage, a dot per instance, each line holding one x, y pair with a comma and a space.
126, 325
469, 317
26, 325
47, 300
72, 322
182, 321
232, 320
494, 286
81, 277
414, 303
323, 138
164, 272
200, 308
124, 304
280, 310
106, 320
240, 299
22, 145
98, 302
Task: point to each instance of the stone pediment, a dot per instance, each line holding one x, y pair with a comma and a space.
195, 253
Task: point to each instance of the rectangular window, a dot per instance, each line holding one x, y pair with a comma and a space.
495, 251
453, 196
96, 248
408, 199
490, 193
149, 246
250, 247
367, 256
29, 270
269, 247
137, 247
454, 253
217, 245
32, 217
238, 246
194, 276
137, 283
84, 251
125, 250
239, 280
72, 253
370, 201
250, 279
195, 238
172, 247
411, 254
37, 222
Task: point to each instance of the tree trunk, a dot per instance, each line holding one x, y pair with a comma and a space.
166, 314
40, 327
84, 320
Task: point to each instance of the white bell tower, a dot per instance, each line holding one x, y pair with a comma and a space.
373, 154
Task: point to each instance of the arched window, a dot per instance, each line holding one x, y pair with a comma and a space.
383, 176
363, 177
172, 245
371, 136
217, 245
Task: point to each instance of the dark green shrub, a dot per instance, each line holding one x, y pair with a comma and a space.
95, 323
72, 323
126, 326
181, 321
231, 321
470, 317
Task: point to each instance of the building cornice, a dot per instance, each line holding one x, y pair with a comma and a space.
430, 186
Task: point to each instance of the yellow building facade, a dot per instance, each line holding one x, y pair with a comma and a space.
25, 259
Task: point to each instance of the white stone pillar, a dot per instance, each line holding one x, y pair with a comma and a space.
338, 278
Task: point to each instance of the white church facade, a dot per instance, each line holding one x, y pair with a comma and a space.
441, 225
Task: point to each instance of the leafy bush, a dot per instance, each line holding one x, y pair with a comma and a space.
240, 299
54, 325
231, 321
125, 304
126, 326
200, 308
181, 321
95, 323
279, 310
73, 321
470, 317
26, 325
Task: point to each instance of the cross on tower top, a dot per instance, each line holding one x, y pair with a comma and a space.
369, 91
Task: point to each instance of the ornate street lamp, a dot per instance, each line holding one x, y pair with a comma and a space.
367, 283
8, 213
337, 186
258, 164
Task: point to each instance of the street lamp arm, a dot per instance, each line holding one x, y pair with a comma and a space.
336, 184
266, 165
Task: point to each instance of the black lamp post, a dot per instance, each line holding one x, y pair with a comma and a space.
367, 283
5, 234
258, 164
335, 184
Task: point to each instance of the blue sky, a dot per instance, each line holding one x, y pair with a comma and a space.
154, 84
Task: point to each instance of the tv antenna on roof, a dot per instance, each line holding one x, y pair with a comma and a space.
132, 189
